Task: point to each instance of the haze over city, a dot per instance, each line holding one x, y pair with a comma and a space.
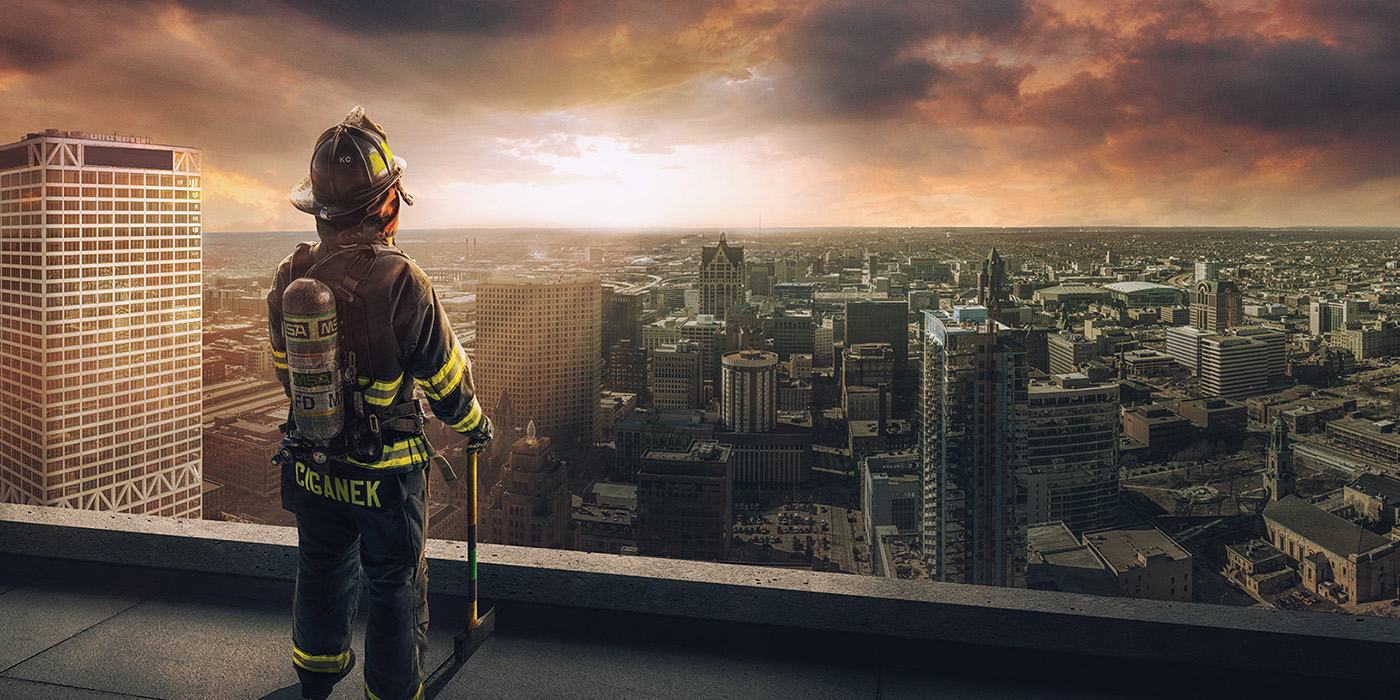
751, 112
832, 348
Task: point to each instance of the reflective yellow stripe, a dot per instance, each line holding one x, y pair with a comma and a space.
471, 420
382, 393
321, 664
399, 454
446, 378
416, 696
279, 355
279, 365
276, 356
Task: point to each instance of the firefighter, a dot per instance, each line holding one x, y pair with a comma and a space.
354, 458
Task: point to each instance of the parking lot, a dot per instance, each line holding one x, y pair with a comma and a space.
800, 534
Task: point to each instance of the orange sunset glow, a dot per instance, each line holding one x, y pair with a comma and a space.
638, 113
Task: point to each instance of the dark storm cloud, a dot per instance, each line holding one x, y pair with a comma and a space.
1288, 85
1362, 23
479, 17
26, 55
865, 57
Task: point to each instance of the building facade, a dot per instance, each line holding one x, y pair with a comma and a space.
1068, 351
973, 442
721, 281
1233, 366
685, 502
100, 325
1144, 562
749, 392
537, 342
1072, 452
675, 379
531, 505
1216, 305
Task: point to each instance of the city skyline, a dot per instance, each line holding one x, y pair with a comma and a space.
751, 113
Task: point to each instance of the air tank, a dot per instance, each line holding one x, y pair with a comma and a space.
310, 329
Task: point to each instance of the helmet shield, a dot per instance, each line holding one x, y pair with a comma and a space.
351, 167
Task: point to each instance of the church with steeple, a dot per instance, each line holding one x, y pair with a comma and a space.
1333, 556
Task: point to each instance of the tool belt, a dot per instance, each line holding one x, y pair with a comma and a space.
362, 442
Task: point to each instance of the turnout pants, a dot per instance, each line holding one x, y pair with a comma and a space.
342, 535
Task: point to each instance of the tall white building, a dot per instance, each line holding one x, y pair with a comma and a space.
1184, 345
537, 341
100, 292
1233, 366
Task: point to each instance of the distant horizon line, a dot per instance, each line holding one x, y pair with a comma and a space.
765, 230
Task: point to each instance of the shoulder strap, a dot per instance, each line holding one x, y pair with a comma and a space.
358, 270
302, 258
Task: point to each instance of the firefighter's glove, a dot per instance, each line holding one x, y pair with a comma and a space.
480, 436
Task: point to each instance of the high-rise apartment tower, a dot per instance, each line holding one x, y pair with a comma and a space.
974, 405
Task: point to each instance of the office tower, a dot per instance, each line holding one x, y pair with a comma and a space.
1233, 366
1184, 345
823, 346
1216, 306
974, 403
867, 364
880, 322
760, 278
622, 317
1067, 351
749, 391
675, 378
721, 281
1207, 271
531, 505
537, 341
1326, 315
626, 370
1277, 343
1072, 452
792, 332
100, 324
684, 502
707, 333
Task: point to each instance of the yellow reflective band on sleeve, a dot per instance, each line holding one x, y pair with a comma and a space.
447, 377
279, 355
279, 365
334, 663
382, 393
471, 420
279, 359
400, 454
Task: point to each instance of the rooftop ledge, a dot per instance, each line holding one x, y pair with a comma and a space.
1072, 639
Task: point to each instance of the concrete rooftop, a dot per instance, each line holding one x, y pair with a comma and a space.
98, 605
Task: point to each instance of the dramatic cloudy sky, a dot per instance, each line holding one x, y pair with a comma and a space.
722, 112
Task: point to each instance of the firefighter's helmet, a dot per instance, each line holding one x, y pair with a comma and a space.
351, 168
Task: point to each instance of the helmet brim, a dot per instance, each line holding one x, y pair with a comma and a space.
304, 199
